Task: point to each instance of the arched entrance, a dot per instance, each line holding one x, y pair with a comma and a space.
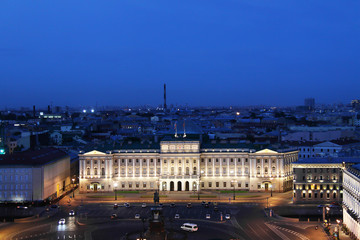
179, 186
187, 186
171, 186
266, 187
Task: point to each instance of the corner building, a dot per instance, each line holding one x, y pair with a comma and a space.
186, 166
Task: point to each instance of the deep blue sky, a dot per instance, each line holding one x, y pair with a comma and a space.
224, 52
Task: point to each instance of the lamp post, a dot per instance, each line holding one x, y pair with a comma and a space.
234, 182
271, 190
115, 185
73, 180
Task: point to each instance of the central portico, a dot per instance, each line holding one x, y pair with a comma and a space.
180, 164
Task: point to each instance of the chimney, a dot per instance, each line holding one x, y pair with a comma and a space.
165, 97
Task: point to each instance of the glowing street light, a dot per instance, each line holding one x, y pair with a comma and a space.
84, 111
73, 180
115, 186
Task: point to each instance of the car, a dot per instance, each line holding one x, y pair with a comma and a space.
203, 203
215, 203
137, 216
113, 216
188, 205
143, 205
62, 221
216, 209
161, 205
21, 207
172, 205
177, 216
206, 205
191, 227
227, 216
72, 213
127, 205
207, 216
116, 206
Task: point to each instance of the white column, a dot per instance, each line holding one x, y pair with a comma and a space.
206, 167
99, 169
81, 168
270, 169
91, 167
148, 167
242, 167
213, 170
126, 167
119, 169
134, 169
250, 169
141, 160
191, 166
221, 170
236, 159
183, 166
228, 166
277, 167
106, 168
156, 168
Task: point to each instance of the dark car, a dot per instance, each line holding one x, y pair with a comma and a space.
203, 203
216, 209
188, 205
172, 205
116, 206
206, 205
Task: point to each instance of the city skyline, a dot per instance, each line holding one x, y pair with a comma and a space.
236, 53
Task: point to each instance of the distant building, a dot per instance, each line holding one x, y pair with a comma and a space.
184, 165
351, 202
34, 175
309, 103
325, 149
355, 104
319, 180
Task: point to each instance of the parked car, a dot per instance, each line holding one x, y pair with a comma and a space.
113, 216
143, 205
216, 209
206, 205
188, 205
215, 203
207, 216
72, 213
62, 221
177, 216
137, 216
227, 216
161, 205
172, 205
127, 205
116, 206
191, 227
203, 203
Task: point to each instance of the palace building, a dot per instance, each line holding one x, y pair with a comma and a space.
185, 165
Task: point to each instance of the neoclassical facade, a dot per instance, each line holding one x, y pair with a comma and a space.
183, 165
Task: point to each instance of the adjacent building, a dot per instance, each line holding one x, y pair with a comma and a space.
319, 180
34, 175
351, 201
186, 165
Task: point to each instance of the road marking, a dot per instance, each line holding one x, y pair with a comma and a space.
277, 232
253, 231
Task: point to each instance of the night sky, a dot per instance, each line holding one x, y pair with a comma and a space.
224, 52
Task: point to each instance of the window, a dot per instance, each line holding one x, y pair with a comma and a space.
327, 195
95, 162
88, 162
231, 160
217, 160
116, 170
258, 161
266, 170
151, 160
172, 161
217, 184
194, 161
259, 186
258, 170
266, 161
224, 170
194, 171
209, 159
239, 185
210, 184
95, 171
122, 160
88, 171
246, 160
303, 195
321, 195
315, 195
187, 171
334, 195
224, 184
144, 184
137, 184
123, 185
246, 185
202, 184
103, 171
224, 160
130, 184
202, 160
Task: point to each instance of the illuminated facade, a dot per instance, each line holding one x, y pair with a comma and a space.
351, 202
317, 180
186, 166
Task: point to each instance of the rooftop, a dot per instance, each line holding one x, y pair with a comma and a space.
33, 157
328, 160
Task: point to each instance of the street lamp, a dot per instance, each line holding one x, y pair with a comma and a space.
201, 172
271, 190
73, 180
234, 182
115, 186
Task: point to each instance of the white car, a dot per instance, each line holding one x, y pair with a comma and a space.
227, 216
207, 216
137, 216
62, 221
190, 227
72, 213
177, 216
143, 205
127, 205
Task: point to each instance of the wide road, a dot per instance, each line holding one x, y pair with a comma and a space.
92, 221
